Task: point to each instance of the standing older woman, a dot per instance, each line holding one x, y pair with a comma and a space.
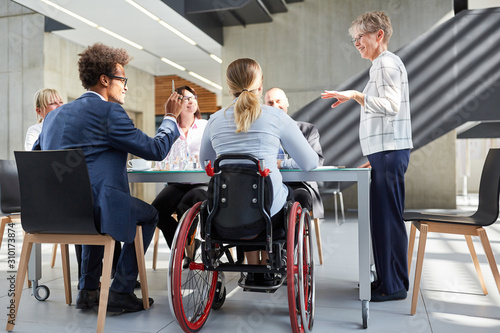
179, 197
249, 127
385, 137
45, 100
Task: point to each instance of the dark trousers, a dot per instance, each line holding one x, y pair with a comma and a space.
176, 198
387, 197
116, 256
126, 268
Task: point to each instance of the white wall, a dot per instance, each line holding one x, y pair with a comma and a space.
21, 73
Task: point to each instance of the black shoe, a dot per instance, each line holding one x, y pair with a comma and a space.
374, 285
268, 279
127, 302
250, 279
87, 299
379, 296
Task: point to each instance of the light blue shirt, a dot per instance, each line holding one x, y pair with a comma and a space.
263, 141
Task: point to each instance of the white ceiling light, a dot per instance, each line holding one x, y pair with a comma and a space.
207, 81
171, 63
177, 32
171, 28
123, 39
215, 85
92, 24
144, 10
216, 58
70, 13
140, 47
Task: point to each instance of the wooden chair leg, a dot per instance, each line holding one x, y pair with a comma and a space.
418, 269
105, 283
54, 254
411, 245
21, 275
489, 254
66, 272
318, 240
5, 220
141, 265
473, 255
155, 247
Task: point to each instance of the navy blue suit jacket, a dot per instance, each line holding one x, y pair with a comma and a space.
311, 133
105, 133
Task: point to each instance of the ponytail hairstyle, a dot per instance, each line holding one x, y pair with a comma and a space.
244, 78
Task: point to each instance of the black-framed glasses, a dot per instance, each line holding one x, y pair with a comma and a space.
123, 79
188, 98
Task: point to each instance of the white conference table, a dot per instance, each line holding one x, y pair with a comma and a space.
326, 174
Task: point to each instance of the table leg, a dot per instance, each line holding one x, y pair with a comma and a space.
364, 243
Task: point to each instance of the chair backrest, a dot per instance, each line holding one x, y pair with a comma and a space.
10, 198
239, 198
489, 189
56, 196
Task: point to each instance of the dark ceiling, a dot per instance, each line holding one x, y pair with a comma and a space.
212, 16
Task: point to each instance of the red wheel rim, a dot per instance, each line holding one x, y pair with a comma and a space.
195, 269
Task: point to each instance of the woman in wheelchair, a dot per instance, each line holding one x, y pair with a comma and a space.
249, 127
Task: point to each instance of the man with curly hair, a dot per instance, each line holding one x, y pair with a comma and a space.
97, 123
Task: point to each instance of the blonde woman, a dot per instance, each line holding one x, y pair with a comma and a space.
247, 126
45, 100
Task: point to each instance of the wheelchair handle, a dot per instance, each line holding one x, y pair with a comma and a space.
235, 156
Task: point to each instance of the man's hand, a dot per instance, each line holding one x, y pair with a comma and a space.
173, 105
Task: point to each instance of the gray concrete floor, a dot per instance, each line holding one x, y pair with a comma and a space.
450, 299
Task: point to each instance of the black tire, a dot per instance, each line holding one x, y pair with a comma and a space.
44, 295
219, 301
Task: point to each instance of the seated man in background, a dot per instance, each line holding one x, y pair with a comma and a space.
306, 193
97, 123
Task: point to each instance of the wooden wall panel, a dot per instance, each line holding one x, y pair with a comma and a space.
207, 100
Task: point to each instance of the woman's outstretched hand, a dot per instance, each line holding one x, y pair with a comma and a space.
343, 96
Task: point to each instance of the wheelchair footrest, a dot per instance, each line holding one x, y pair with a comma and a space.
255, 287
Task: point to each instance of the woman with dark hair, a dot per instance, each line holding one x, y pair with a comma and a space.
247, 126
179, 197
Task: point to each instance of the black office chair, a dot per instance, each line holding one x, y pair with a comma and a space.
57, 207
486, 214
10, 199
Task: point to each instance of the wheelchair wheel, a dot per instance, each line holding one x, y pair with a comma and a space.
191, 289
300, 271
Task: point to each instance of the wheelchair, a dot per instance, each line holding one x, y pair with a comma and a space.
236, 215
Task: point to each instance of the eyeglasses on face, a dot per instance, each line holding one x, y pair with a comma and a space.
123, 79
188, 98
355, 40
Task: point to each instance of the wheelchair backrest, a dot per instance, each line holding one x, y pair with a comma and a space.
239, 200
